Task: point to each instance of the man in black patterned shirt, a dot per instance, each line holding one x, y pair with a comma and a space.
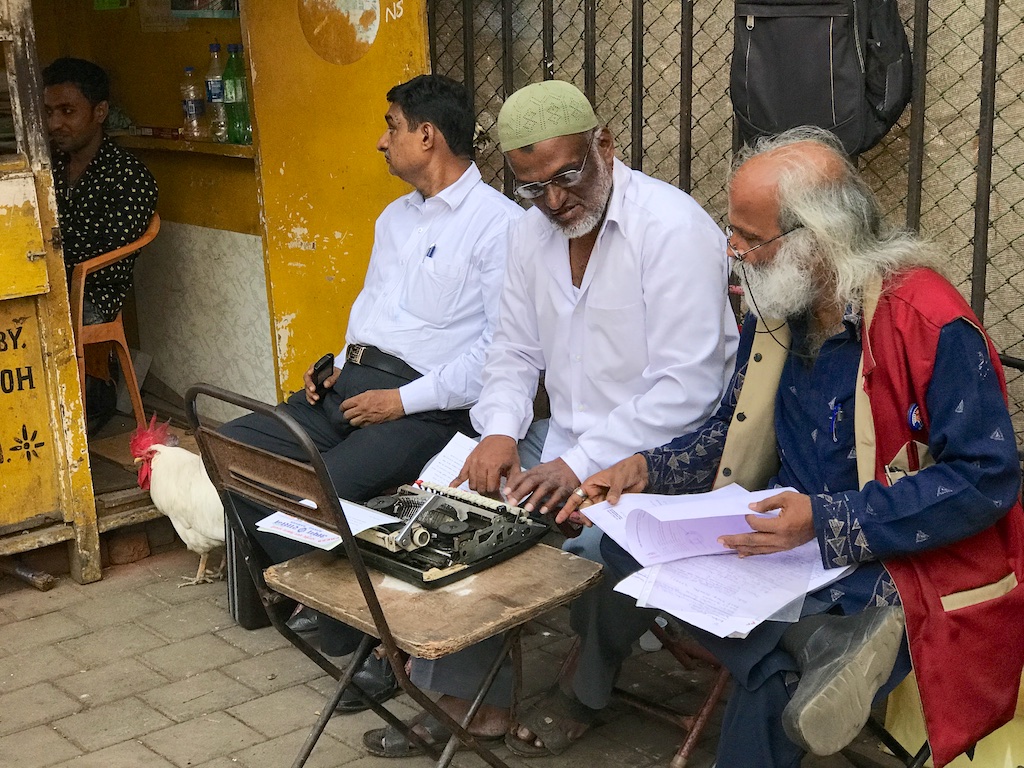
105, 196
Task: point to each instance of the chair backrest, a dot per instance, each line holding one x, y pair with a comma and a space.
85, 268
276, 482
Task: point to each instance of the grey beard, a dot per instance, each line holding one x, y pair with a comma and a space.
779, 290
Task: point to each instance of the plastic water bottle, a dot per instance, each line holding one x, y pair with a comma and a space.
236, 99
192, 104
215, 95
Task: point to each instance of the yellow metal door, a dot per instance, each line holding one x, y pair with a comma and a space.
45, 486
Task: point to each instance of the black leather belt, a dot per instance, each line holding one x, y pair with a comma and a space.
371, 357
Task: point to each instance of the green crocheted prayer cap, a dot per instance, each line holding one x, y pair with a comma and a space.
543, 111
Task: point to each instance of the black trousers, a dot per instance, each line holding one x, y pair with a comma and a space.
363, 462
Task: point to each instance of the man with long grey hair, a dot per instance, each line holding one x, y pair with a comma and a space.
865, 382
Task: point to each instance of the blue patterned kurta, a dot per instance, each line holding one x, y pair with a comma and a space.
971, 439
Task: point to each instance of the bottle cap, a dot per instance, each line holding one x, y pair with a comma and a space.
234, 47
214, 47
190, 69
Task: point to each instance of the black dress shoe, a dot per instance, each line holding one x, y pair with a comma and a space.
377, 680
305, 620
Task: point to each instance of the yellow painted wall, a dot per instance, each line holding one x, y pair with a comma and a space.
321, 179
145, 67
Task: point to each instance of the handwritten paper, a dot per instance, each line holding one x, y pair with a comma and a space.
446, 465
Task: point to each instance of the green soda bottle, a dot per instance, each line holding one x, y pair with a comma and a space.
236, 98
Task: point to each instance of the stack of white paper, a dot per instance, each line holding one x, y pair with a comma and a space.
691, 576
659, 529
729, 596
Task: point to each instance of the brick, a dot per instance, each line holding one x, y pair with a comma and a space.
253, 641
202, 739
328, 752
35, 748
161, 534
199, 695
223, 762
34, 666
24, 601
168, 590
275, 670
192, 656
110, 608
281, 712
110, 644
179, 622
127, 677
39, 630
111, 724
128, 754
119, 578
26, 707
125, 547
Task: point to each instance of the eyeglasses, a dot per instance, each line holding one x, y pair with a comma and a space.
741, 255
565, 179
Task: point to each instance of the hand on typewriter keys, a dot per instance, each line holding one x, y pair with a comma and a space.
496, 457
550, 483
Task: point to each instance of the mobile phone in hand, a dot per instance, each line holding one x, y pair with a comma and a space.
322, 370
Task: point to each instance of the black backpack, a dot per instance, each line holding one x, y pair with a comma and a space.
842, 65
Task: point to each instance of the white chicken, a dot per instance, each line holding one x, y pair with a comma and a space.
180, 488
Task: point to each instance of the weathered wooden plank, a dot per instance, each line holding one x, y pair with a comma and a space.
434, 623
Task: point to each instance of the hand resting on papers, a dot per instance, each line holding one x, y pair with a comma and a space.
793, 526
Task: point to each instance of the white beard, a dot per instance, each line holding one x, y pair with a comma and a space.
592, 218
782, 289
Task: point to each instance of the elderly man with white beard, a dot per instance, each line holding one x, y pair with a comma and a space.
864, 381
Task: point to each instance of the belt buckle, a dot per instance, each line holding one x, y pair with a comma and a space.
355, 353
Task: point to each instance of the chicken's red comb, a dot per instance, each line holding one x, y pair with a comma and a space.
145, 438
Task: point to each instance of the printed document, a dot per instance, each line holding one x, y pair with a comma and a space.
659, 529
358, 517
728, 595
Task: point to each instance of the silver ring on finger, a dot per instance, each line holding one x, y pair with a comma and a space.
580, 493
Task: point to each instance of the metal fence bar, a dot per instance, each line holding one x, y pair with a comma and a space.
915, 165
986, 124
548, 22
636, 143
432, 33
507, 78
590, 49
468, 47
685, 95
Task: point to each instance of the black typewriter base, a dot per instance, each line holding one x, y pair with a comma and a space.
433, 578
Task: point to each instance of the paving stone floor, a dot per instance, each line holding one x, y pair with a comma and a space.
134, 672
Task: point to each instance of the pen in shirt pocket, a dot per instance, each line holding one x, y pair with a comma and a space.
430, 251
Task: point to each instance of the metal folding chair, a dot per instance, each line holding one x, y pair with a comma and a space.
423, 623
690, 655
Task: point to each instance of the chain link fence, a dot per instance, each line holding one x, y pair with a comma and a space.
627, 56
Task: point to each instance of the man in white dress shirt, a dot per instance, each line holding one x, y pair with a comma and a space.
417, 332
616, 289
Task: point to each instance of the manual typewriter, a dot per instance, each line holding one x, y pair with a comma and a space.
444, 534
